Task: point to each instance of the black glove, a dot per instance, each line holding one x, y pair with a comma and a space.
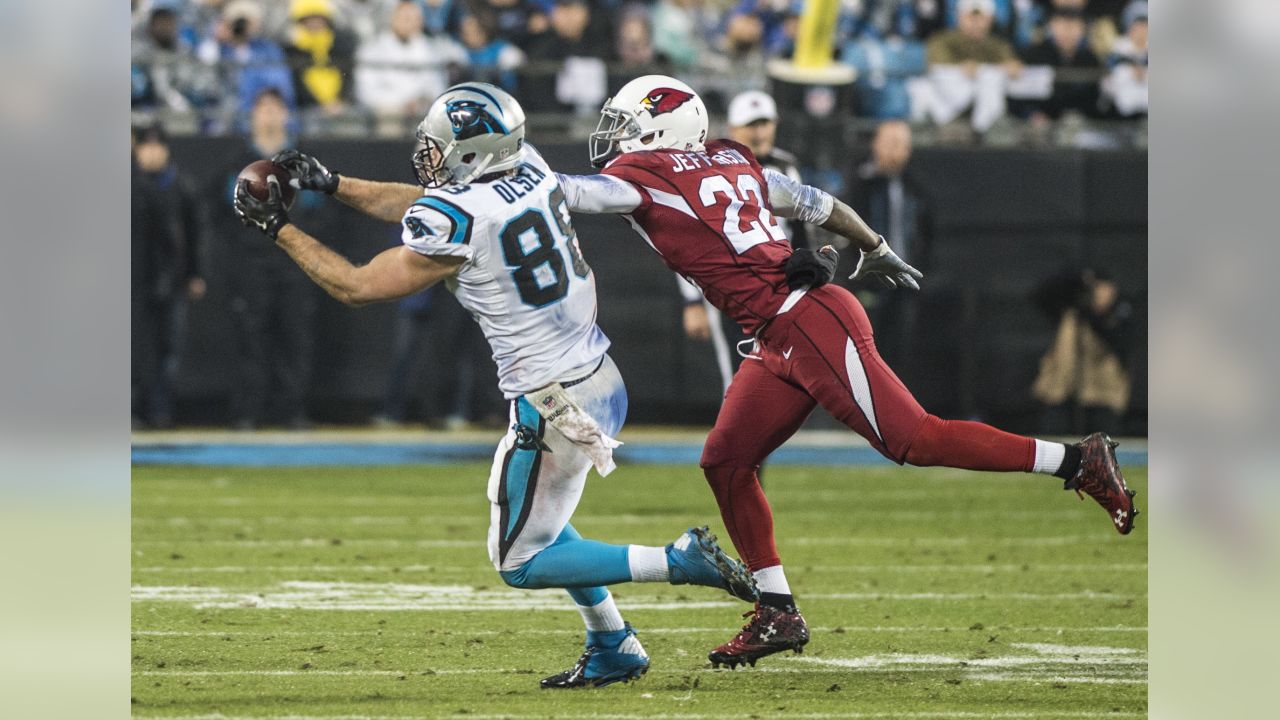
266, 215
306, 172
807, 268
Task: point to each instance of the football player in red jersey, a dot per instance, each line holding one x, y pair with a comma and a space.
708, 209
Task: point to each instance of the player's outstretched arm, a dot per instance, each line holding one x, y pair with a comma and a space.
391, 274
792, 199
598, 194
382, 200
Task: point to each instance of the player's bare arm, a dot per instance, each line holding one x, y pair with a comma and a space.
382, 200
385, 201
391, 274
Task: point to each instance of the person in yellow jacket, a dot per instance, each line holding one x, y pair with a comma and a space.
321, 55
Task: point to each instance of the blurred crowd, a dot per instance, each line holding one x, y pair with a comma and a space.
963, 63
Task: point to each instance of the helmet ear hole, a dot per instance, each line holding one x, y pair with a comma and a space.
468, 157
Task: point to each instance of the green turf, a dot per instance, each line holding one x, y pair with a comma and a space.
366, 592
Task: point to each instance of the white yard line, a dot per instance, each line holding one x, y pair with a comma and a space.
1027, 673
267, 633
360, 596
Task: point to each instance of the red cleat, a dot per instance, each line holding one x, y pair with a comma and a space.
769, 631
1099, 476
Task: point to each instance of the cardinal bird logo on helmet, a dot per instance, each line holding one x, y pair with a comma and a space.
664, 100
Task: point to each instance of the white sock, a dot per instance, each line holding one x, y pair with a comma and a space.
772, 580
1049, 457
603, 616
648, 564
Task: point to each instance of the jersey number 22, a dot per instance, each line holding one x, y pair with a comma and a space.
758, 231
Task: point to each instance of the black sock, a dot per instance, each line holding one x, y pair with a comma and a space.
785, 603
1070, 463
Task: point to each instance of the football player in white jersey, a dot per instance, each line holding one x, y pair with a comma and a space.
488, 218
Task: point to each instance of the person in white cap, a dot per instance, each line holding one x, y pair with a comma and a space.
969, 69
753, 121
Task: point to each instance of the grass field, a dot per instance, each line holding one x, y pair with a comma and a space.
366, 592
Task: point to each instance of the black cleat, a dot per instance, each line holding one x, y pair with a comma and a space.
770, 630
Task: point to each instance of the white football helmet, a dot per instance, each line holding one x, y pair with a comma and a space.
470, 130
652, 112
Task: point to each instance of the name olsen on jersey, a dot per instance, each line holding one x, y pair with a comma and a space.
700, 160
521, 183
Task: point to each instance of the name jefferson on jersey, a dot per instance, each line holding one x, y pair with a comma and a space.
523, 278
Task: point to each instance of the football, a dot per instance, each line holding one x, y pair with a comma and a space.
257, 173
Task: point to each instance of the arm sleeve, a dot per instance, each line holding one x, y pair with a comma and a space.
434, 227
596, 194
791, 199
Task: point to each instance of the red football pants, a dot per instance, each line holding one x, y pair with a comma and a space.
821, 352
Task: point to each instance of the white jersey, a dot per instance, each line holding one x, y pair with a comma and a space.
524, 279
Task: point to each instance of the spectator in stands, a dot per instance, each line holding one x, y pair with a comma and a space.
971, 44
1084, 377
166, 230
320, 54
516, 21
743, 47
777, 20
403, 70
575, 46
248, 62
272, 301
1065, 50
685, 31
969, 68
173, 77
567, 35
491, 59
887, 194
881, 43
365, 19
1126, 84
441, 16
634, 44
1100, 27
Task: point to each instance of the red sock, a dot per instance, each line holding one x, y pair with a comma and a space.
746, 514
970, 446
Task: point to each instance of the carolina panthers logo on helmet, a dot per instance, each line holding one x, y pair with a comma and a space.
470, 118
664, 99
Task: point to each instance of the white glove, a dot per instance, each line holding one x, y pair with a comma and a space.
885, 265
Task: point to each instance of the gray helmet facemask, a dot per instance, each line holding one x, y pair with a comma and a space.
471, 130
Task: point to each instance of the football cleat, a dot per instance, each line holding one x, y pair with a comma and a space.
770, 630
600, 666
1099, 476
695, 558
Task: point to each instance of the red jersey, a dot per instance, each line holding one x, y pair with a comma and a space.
707, 215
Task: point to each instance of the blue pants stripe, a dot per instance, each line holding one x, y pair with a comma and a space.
520, 475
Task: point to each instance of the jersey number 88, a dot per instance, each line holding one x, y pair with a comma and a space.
529, 247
